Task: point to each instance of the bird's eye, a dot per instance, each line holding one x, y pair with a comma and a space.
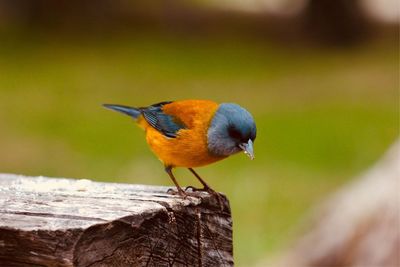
234, 133
253, 137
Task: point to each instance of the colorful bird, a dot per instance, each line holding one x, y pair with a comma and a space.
194, 133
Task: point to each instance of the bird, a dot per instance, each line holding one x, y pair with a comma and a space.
193, 133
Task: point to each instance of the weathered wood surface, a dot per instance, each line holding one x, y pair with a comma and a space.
66, 222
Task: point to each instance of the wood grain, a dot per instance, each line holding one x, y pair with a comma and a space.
66, 222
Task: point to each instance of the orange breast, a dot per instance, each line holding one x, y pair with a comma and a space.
189, 148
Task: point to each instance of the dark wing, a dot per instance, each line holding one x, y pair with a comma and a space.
164, 123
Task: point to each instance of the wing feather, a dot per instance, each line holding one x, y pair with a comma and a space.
166, 124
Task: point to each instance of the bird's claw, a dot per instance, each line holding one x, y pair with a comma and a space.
193, 189
184, 194
171, 191
204, 189
210, 191
179, 192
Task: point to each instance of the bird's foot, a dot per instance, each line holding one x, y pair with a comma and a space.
183, 193
177, 192
193, 192
193, 189
209, 190
204, 189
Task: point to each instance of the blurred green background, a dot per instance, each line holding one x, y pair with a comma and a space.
326, 108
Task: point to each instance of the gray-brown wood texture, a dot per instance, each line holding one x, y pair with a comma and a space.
66, 222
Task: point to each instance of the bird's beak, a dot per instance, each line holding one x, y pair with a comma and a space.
248, 149
123, 109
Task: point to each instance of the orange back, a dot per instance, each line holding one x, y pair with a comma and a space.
189, 149
191, 112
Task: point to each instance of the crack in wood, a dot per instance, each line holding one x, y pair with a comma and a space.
199, 238
52, 215
214, 243
24, 263
133, 228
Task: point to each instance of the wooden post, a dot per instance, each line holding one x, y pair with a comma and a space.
66, 222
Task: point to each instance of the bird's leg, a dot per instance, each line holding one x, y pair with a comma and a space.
206, 187
168, 169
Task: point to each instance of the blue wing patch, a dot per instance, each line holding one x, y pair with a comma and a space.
164, 123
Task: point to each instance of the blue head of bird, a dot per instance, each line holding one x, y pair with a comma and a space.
232, 130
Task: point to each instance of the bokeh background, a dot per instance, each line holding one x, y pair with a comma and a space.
320, 77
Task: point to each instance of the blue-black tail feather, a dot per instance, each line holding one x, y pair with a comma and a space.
154, 115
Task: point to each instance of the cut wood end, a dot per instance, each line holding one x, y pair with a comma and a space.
67, 222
